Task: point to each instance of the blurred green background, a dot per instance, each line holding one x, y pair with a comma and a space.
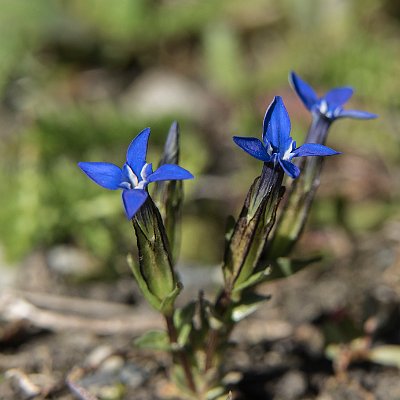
79, 79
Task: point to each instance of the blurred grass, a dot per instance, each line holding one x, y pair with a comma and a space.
73, 88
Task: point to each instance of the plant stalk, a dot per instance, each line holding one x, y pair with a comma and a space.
183, 360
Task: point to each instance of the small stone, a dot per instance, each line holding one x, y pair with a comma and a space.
22, 383
132, 376
112, 364
72, 262
98, 355
291, 386
162, 92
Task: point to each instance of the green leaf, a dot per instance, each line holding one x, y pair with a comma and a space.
183, 321
167, 304
213, 320
284, 267
249, 303
153, 300
154, 340
253, 280
385, 355
217, 393
229, 227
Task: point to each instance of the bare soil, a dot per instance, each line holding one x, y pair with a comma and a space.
64, 341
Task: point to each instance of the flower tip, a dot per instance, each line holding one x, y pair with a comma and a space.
174, 125
331, 152
83, 166
292, 77
238, 140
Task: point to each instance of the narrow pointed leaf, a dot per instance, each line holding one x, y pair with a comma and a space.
257, 277
284, 267
385, 355
248, 305
167, 305
154, 340
229, 227
183, 321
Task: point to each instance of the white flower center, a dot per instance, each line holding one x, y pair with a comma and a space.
287, 156
143, 174
133, 181
270, 149
323, 107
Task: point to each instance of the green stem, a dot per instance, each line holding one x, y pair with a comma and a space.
183, 360
215, 337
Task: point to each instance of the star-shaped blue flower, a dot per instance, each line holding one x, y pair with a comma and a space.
330, 105
277, 146
134, 176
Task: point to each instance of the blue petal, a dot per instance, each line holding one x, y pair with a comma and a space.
147, 171
136, 154
337, 97
253, 146
168, 172
313, 149
356, 114
303, 90
133, 199
292, 170
277, 125
104, 174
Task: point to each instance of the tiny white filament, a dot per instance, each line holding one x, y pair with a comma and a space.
288, 153
132, 177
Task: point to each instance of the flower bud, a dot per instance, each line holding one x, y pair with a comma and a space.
155, 274
253, 227
168, 195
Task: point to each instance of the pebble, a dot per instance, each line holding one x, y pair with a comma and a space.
291, 386
72, 262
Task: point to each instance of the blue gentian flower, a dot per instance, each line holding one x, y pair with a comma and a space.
330, 105
277, 146
134, 176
